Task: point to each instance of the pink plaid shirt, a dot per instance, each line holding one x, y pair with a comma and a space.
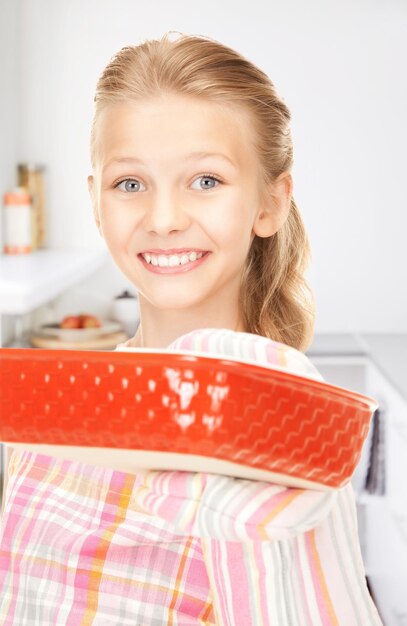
88, 545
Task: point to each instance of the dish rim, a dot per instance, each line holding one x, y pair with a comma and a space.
232, 362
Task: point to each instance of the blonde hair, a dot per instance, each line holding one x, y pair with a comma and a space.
275, 300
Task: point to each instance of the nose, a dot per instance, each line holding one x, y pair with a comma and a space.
165, 214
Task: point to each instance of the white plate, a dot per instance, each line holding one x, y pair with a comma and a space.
77, 334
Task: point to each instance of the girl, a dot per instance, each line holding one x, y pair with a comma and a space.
168, 110
192, 192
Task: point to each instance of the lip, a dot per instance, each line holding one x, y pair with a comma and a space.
178, 269
172, 251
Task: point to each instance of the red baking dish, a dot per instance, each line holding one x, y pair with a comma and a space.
160, 409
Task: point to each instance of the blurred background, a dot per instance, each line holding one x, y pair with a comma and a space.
341, 69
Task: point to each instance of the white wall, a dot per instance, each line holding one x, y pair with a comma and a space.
341, 70
10, 113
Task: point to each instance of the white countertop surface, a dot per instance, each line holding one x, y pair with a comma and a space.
29, 280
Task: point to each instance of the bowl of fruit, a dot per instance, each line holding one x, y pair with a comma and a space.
79, 329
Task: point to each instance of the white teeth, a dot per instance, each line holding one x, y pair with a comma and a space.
173, 260
163, 260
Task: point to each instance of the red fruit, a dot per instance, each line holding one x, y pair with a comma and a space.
90, 321
70, 321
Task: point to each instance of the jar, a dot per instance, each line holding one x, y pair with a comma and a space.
17, 222
31, 177
125, 310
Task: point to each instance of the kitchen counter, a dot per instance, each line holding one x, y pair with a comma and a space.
28, 281
388, 351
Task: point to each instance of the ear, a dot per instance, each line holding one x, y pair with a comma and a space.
93, 197
275, 207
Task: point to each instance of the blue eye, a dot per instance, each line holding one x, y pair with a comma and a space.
131, 181
211, 178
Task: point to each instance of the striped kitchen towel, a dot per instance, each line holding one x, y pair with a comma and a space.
376, 472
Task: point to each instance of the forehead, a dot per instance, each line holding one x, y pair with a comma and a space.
170, 127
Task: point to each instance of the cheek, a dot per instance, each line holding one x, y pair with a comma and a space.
234, 227
116, 225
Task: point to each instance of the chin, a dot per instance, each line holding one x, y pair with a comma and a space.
174, 300
174, 304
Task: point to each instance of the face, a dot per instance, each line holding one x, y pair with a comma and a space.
177, 223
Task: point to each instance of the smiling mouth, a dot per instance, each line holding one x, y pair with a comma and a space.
171, 260
172, 263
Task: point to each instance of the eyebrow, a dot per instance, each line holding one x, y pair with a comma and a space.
189, 157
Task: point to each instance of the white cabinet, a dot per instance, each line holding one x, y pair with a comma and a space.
387, 563
386, 522
395, 413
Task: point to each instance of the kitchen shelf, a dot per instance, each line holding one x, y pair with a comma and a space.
31, 280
